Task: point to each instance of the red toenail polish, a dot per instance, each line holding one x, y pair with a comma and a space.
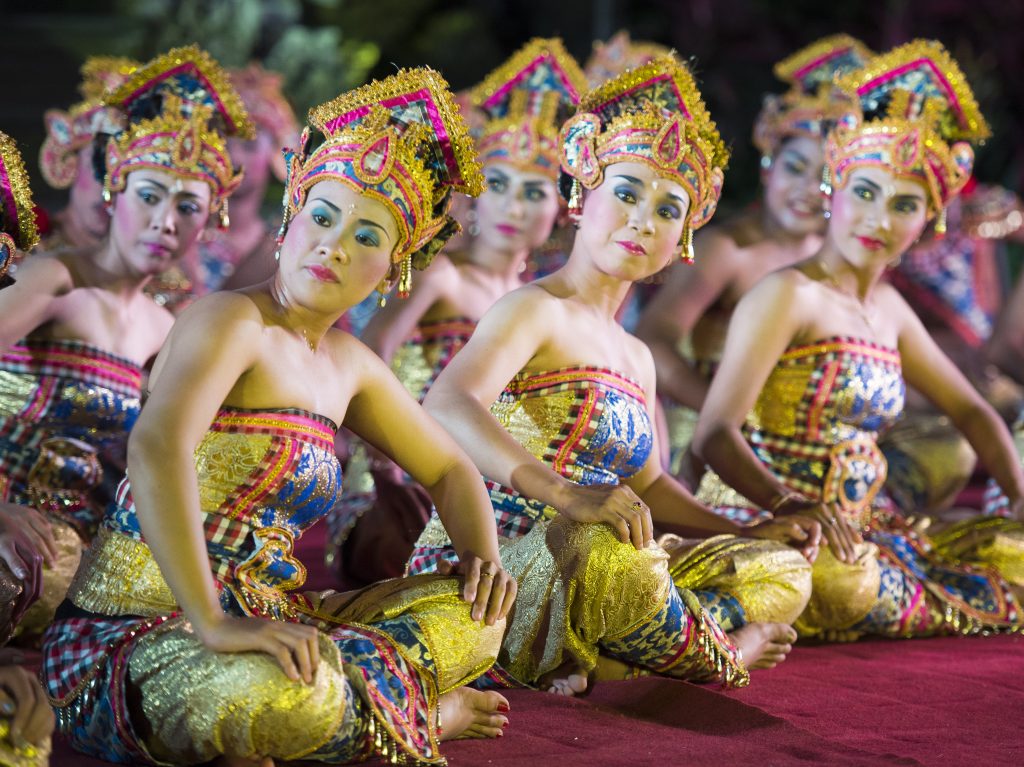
501, 734
503, 708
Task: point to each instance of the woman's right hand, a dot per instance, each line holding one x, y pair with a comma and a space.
841, 536
294, 646
615, 505
26, 544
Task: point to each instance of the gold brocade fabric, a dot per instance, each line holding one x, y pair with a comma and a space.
986, 542
56, 580
842, 594
770, 580
200, 704
578, 585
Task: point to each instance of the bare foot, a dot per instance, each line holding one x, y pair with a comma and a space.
566, 680
764, 645
836, 635
469, 713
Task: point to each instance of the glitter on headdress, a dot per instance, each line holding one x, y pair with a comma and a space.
525, 101
68, 132
916, 115
17, 219
402, 141
261, 94
654, 115
618, 55
812, 105
198, 108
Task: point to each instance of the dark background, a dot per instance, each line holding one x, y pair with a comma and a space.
327, 46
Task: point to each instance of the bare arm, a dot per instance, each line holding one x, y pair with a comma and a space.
397, 320
504, 342
932, 373
28, 303
213, 343
384, 414
675, 310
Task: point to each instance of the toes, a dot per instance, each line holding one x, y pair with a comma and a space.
577, 683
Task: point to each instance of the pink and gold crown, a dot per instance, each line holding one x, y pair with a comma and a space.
67, 132
654, 115
402, 141
812, 105
17, 219
260, 90
916, 114
196, 108
618, 55
524, 101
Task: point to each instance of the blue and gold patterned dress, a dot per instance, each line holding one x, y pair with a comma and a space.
131, 682
581, 591
815, 426
66, 409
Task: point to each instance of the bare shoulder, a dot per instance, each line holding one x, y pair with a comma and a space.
45, 273
641, 362
530, 304
221, 314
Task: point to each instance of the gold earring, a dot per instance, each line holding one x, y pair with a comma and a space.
687, 256
576, 200
225, 219
940, 224
405, 277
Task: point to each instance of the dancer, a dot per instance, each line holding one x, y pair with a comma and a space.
566, 444
185, 637
814, 366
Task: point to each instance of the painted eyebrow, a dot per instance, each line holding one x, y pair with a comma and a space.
870, 183
368, 222
796, 153
630, 179
154, 182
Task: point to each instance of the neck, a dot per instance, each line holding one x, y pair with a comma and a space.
857, 281
603, 292
109, 271
306, 323
504, 264
774, 231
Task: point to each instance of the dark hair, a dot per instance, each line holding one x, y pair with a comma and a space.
564, 185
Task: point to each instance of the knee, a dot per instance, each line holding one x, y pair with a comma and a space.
841, 594
773, 583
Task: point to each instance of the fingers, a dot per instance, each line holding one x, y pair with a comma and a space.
485, 585
34, 581
470, 566
444, 567
10, 555
40, 530
509, 599
26, 695
499, 603
837, 534
41, 720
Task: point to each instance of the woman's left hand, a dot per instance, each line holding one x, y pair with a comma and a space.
487, 586
800, 532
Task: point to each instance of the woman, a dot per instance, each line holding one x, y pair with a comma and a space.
567, 442
814, 368
192, 640
525, 101
76, 328
686, 321
66, 157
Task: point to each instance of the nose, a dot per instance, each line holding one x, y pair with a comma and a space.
516, 206
165, 217
641, 219
332, 251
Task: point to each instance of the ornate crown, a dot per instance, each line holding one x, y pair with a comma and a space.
653, 114
198, 108
619, 55
525, 101
17, 219
260, 90
916, 114
401, 141
812, 105
67, 132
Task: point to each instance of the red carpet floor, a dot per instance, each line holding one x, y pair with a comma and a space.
930, 702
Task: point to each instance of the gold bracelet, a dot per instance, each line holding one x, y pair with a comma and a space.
782, 499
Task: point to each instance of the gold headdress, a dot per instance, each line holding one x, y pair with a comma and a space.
619, 55
401, 141
178, 108
525, 101
67, 132
913, 102
17, 219
654, 115
261, 94
812, 105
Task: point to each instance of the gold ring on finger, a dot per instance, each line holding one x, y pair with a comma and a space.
637, 506
487, 575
